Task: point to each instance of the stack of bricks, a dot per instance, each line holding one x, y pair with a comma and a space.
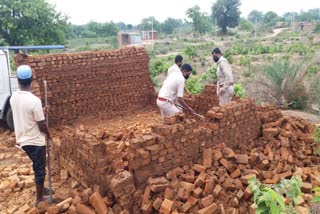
93, 158
234, 123
204, 101
86, 155
88, 83
173, 145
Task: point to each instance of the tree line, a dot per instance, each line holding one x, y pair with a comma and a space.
36, 22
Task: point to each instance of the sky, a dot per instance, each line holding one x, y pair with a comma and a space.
132, 12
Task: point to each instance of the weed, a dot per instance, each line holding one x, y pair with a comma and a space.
269, 198
239, 90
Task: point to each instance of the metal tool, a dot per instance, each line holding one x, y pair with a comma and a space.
194, 113
48, 141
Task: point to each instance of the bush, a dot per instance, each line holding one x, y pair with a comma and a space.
270, 198
312, 70
157, 66
194, 71
284, 82
194, 85
245, 60
210, 76
315, 91
239, 90
317, 28
245, 25
190, 52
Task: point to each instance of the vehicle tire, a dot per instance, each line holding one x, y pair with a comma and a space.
9, 119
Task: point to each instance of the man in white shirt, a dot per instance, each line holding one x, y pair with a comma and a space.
172, 90
176, 67
30, 127
225, 88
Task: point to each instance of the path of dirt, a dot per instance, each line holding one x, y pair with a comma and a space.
313, 118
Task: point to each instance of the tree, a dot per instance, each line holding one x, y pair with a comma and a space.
227, 13
146, 24
198, 19
271, 18
32, 22
170, 24
103, 30
78, 30
245, 25
255, 16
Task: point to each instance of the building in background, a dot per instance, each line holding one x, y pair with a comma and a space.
149, 35
129, 38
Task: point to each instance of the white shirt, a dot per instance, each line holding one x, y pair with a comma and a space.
173, 69
27, 111
173, 86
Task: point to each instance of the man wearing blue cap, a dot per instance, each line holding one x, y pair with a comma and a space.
30, 127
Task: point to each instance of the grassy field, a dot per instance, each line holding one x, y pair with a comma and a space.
249, 58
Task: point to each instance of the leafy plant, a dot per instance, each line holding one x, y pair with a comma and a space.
283, 82
269, 198
245, 60
210, 76
316, 198
194, 85
157, 66
190, 51
239, 90
266, 199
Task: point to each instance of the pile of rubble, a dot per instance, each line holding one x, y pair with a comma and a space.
219, 182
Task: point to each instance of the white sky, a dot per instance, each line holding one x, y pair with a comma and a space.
132, 12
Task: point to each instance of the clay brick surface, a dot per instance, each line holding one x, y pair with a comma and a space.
82, 84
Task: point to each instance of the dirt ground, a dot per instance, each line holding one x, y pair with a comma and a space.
313, 118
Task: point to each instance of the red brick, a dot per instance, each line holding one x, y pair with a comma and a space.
243, 159
207, 157
166, 206
209, 210
97, 202
235, 174
206, 201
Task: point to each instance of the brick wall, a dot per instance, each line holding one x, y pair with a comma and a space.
93, 159
204, 101
88, 83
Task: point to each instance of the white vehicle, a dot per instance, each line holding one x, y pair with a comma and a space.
8, 84
8, 79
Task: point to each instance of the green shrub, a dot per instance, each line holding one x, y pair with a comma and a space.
315, 91
194, 71
194, 85
157, 66
239, 90
317, 28
245, 60
312, 70
190, 52
210, 77
269, 198
284, 82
